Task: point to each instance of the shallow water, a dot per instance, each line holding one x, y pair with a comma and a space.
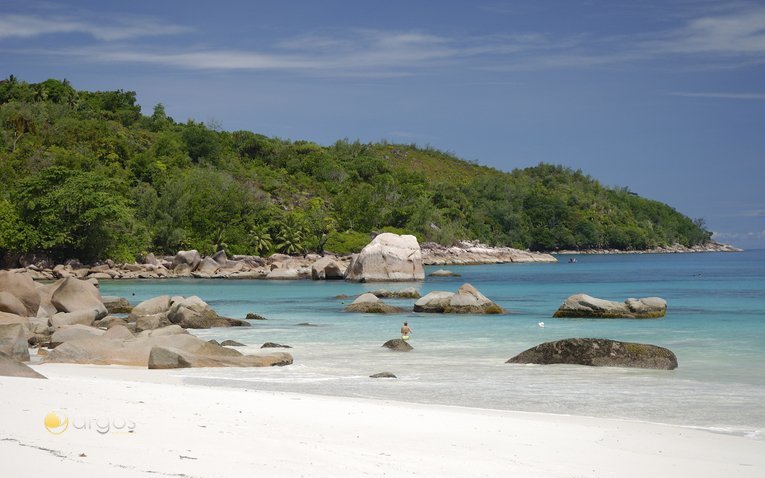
715, 324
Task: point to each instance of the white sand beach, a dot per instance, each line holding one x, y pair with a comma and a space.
197, 431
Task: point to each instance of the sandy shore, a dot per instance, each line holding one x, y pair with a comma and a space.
195, 431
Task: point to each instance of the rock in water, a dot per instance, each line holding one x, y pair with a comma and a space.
389, 257
585, 306
598, 353
467, 300
272, 345
383, 375
399, 345
370, 304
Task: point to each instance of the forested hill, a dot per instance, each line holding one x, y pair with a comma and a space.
87, 175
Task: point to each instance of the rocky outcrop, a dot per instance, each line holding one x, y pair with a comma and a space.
370, 304
598, 353
389, 257
74, 332
467, 300
398, 345
187, 312
473, 252
11, 368
136, 351
710, 246
585, 306
168, 358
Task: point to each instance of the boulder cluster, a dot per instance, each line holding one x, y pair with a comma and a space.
69, 322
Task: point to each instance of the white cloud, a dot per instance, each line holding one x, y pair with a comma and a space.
727, 236
126, 27
719, 95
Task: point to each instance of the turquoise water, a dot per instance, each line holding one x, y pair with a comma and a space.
715, 324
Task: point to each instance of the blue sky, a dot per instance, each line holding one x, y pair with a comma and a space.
666, 98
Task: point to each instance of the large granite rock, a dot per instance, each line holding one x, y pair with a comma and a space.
398, 345
155, 305
75, 295
582, 305
11, 304
116, 305
327, 269
21, 286
283, 274
467, 300
194, 313
73, 332
13, 341
131, 351
190, 258
371, 304
11, 368
389, 257
63, 319
598, 353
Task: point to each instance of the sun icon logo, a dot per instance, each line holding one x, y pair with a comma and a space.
56, 423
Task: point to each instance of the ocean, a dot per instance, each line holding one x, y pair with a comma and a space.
715, 324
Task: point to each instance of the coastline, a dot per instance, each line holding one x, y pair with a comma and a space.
192, 430
285, 267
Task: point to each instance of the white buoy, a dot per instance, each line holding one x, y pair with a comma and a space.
542, 324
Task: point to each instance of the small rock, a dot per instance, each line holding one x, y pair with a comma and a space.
252, 316
272, 345
399, 345
383, 375
232, 343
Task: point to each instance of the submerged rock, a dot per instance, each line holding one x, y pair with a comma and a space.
443, 273
383, 375
408, 293
598, 353
585, 306
399, 345
370, 304
272, 345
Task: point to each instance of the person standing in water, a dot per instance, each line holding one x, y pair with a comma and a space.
405, 331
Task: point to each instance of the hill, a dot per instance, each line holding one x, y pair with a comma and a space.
88, 175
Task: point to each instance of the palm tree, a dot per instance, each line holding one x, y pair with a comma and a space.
260, 239
291, 237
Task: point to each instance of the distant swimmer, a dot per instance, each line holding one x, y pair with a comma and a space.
405, 331
572, 260
542, 324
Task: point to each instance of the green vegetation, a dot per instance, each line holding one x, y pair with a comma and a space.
87, 175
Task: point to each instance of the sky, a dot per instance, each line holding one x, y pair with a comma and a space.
666, 98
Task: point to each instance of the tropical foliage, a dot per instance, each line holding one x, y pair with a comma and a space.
87, 175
